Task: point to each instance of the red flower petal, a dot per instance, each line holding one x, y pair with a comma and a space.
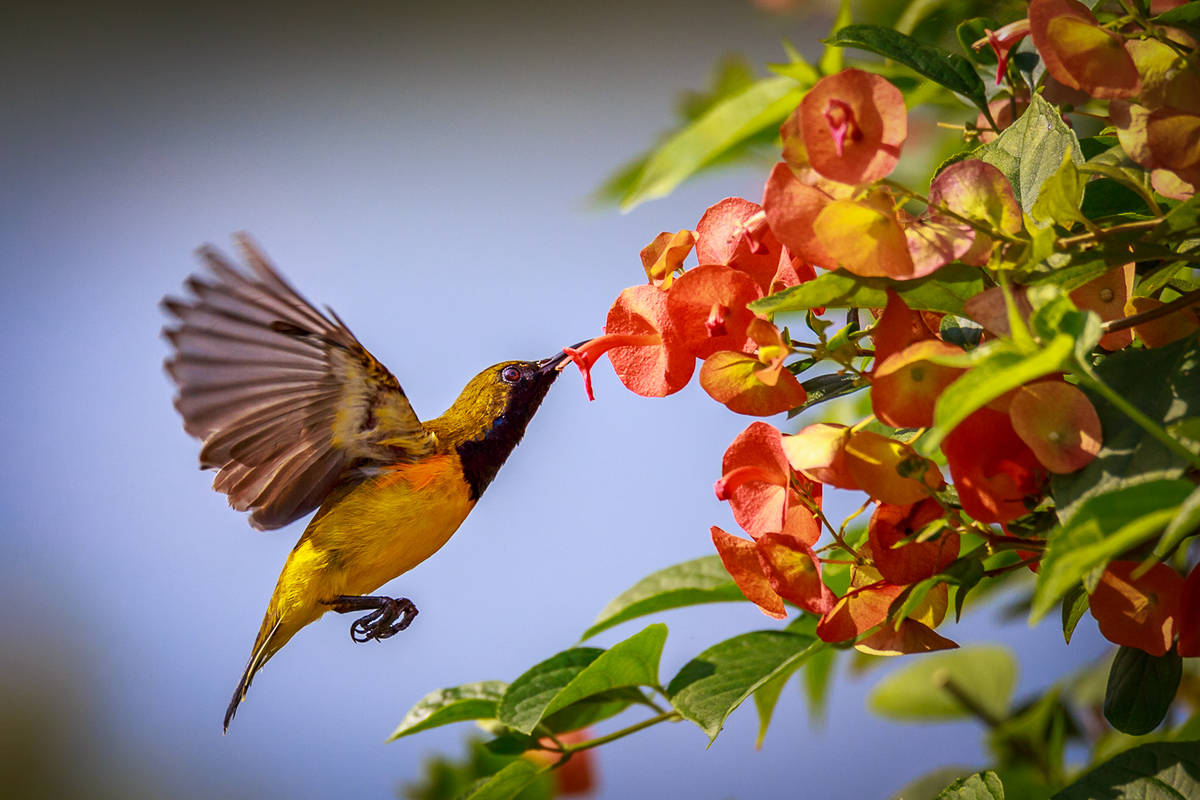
707, 306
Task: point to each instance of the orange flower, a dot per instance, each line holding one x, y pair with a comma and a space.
992, 469
911, 561
707, 306
1138, 612
1058, 423
1106, 295
734, 232
756, 479
853, 124
641, 344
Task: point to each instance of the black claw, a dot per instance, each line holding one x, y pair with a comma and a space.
389, 615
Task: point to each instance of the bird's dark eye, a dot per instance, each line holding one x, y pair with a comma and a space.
510, 374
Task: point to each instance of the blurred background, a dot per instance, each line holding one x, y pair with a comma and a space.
423, 168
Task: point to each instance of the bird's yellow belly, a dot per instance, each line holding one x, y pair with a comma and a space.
376, 532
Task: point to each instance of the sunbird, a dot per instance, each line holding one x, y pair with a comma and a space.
295, 415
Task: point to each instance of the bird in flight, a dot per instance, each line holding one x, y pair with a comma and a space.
295, 415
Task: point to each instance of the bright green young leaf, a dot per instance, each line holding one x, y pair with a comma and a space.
703, 580
1002, 370
445, 706
764, 105
941, 66
525, 702
1058, 202
633, 662
831, 59
916, 692
714, 683
1164, 384
1141, 688
1182, 219
980, 786
1183, 524
945, 290
507, 783
1155, 771
1103, 527
1074, 606
1031, 150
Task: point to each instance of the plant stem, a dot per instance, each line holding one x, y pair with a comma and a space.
1138, 225
668, 716
1122, 323
1091, 381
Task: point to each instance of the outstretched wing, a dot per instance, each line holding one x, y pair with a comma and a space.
283, 397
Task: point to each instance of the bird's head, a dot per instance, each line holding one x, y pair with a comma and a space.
489, 417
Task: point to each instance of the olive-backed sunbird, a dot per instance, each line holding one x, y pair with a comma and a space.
295, 415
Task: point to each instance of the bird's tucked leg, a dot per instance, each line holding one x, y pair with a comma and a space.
389, 615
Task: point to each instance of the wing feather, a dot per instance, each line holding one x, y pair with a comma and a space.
284, 398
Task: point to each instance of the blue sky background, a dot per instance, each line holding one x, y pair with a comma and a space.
423, 168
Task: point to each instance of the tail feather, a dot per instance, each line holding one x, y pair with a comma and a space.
270, 639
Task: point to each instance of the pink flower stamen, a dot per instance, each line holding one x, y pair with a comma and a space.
1002, 42
839, 116
715, 324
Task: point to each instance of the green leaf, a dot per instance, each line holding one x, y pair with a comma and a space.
446, 706
1058, 202
764, 105
633, 662
1155, 771
594, 708
1104, 527
916, 692
1141, 688
818, 678
1183, 524
1184, 16
1035, 735
1164, 384
703, 580
527, 697
831, 59
765, 698
507, 783
1182, 219
945, 290
1001, 369
939, 65
1030, 150
980, 786
714, 683
1074, 606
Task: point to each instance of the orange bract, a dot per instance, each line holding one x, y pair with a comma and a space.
740, 558
1138, 612
663, 257
906, 386
1079, 53
756, 480
889, 471
818, 452
791, 208
992, 469
1106, 295
1058, 423
912, 561
732, 379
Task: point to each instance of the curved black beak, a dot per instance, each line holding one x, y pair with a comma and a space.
559, 360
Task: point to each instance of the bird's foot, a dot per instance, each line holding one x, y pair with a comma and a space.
389, 615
